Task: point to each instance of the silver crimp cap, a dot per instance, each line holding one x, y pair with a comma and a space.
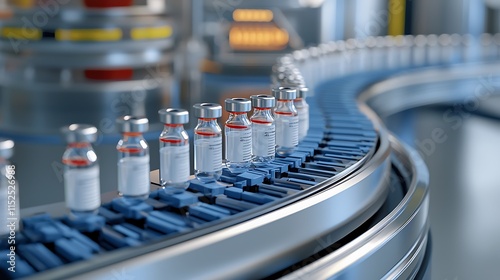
207, 110
302, 92
132, 124
285, 93
173, 116
238, 105
79, 133
6, 148
263, 101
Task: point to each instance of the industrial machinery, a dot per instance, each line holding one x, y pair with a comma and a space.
352, 201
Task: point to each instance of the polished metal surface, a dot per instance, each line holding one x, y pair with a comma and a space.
207, 110
263, 101
79, 133
238, 105
174, 116
302, 92
132, 124
285, 93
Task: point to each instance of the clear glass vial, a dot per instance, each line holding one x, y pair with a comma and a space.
238, 135
207, 142
133, 158
286, 120
9, 194
174, 148
303, 111
81, 170
263, 129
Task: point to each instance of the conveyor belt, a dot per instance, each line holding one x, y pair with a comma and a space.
331, 151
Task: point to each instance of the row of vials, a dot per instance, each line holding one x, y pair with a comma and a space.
275, 128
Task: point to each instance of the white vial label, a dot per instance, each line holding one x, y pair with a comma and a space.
82, 189
174, 164
264, 140
208, 154
133, 176
239, 145
287, 131
303, 122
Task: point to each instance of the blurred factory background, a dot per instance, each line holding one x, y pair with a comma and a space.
91, 61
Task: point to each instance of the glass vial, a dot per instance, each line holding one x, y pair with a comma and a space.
174, 149
133, 158
207, 142
9, 194
238, 135
286, 120
263, 129
303, 111
81, 171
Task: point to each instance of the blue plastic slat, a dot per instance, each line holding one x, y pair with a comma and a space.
211, 189
163, 226
179, 199
110, 216
251, 178
233, 192
216, 208
127, 232
39, 257
258, 198
238, 205
20, 268
131, 209
205, 214
72, 251
170, 217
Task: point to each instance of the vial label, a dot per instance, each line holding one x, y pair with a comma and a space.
174, 164
264, 140
133, 176
239, 145
303, 123
82, 189
208, 153
287, 131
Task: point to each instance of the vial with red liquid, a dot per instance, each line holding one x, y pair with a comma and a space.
263, 129
81, 170
207, 142
133, 158
174, 148
238, 135
286, 120
303, 111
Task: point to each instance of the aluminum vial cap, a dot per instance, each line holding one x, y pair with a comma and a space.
302, 92
79, 133
238, 105
207, 110
132, 124
263, 101
173, 116
285, 93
